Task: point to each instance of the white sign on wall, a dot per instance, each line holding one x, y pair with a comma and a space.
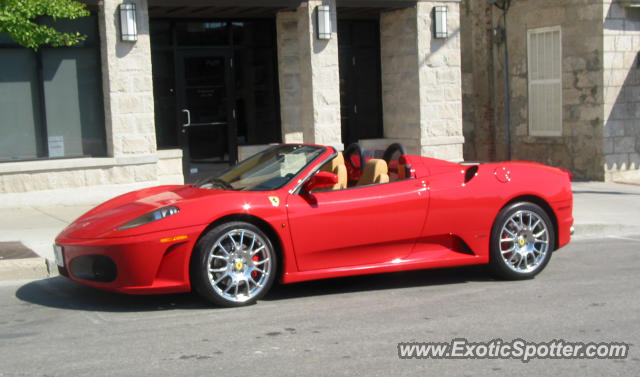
56, 146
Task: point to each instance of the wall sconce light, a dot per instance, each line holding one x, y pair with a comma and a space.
128, 27
440, 22
323, 15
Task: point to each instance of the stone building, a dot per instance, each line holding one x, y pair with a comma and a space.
198, 84
574, 78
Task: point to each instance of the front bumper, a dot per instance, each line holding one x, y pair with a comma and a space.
150, 263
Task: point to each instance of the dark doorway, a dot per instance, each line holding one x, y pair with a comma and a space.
220, 79
204, 92
360, 87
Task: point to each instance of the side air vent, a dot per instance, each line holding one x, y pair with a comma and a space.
470, 173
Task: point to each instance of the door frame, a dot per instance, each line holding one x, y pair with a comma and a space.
180, 55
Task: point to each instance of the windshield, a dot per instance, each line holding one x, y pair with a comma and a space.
267, 170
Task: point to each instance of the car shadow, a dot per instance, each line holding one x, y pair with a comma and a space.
60, 293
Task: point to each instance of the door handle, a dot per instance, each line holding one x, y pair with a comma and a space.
188, 118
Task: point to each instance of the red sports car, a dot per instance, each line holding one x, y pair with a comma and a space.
303, 212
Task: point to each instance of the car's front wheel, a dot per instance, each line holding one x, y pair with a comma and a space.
234, 264
522, 240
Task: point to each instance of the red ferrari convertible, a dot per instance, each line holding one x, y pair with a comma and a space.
303, 212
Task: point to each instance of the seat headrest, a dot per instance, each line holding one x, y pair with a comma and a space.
332, 165
373, 170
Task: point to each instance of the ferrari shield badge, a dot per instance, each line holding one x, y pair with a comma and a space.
275, 201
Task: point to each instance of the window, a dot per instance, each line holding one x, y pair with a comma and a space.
544, 50
51, 100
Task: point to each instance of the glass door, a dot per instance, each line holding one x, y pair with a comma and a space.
206, 114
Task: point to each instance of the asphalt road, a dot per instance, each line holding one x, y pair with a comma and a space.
590, 291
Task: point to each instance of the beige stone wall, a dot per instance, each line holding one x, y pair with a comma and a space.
165, 167
580, 148
309, 77
127, 83
621, 46
289, 76
440, 84
421, 81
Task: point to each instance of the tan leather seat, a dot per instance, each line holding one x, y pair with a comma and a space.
337, 167
375, 171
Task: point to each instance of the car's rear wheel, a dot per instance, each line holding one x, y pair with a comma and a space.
234, 264
522, 240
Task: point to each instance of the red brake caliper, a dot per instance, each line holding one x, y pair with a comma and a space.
254, 274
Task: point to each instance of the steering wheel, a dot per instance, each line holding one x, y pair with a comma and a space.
354, 150
391, 149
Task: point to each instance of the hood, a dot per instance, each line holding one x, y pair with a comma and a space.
105, 219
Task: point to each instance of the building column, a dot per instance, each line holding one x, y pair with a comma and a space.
421, 81
127, 85
309, 77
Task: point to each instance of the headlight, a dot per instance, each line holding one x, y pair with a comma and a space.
150, 217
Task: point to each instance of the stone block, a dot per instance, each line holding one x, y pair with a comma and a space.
613, 60
608, 145
97, 176
119, 174
609, 43
145, 123
143, 83
624, 42
144, 173
135, 144
125, 123
632, 128
625, 144
121, 83
63, 179
573, 63
450, 152
129, 104
591, 112
447, 76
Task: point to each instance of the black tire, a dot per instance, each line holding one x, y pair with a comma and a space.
527, 258
222, 262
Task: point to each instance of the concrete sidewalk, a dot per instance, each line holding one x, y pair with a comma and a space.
600, 210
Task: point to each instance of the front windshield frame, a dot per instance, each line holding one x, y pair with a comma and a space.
234, 178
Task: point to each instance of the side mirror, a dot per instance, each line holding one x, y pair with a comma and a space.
319, 180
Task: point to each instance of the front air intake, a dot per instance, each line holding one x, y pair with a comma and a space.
94, 268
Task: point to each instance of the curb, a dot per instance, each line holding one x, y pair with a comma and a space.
27, 268
593, 230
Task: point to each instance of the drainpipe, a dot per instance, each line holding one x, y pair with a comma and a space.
504, 6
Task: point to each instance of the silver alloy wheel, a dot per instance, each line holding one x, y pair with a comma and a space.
524, 241
239, 265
